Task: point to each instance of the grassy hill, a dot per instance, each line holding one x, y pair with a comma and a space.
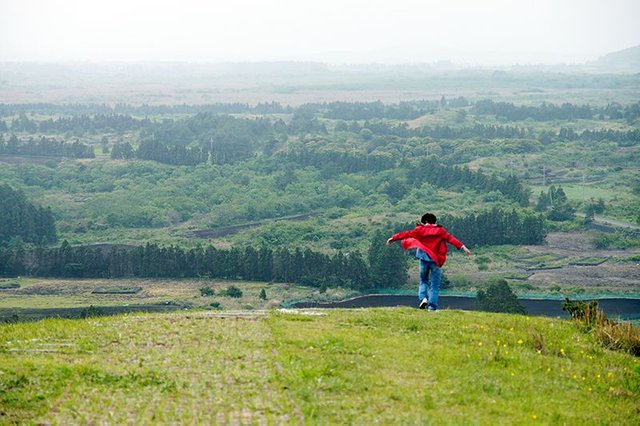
392, 366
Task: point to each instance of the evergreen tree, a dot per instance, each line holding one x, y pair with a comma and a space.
387, 263
498, 297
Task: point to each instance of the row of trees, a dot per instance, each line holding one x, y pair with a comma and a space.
337, 158
622, 137
48, 147
496, 227
170, 154
152, 261
385, 266
547, 111
79, 124
144, 109
432, 171
21, 219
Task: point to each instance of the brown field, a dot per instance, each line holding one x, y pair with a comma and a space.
551, 268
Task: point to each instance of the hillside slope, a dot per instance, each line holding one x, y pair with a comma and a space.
393, 366
622, 60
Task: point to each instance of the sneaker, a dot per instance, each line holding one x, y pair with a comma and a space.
423, 303
432, 309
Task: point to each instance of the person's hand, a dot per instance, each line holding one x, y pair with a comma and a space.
389, 241
467, 251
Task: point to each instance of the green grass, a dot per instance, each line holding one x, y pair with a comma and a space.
393, 366
44, 293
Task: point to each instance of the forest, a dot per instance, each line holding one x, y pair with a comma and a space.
147, 183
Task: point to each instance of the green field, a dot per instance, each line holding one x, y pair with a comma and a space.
392, 366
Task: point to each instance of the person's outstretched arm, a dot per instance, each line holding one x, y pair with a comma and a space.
413, 233
457, 244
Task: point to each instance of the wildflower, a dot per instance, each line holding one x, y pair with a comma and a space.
534, 417
609, 374
479, 343
520, 341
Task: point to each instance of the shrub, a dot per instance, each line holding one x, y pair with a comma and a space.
215, 305
263, 294
498, 297
232, 291
623, 337
91, 311
207, 291
601, 241
7, 285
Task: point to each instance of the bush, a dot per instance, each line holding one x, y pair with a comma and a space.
232, 291
207, 291
498, 297
590, 318
601, 241
263, 294
91, 311
7, 285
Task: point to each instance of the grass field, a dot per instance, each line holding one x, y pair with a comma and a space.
36, 293
392, 366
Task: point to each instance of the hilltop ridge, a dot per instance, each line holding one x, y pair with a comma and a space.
393, 365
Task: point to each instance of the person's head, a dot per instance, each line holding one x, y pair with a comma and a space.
429, 218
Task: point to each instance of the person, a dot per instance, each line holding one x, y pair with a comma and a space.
430, 240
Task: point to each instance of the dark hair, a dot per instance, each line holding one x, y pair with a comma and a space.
429, 218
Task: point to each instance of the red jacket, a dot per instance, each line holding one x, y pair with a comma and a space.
432, 239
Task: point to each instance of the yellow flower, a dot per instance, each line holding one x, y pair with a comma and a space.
479, 343
609, 374
520, 341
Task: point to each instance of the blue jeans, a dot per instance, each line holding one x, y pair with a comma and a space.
430, 276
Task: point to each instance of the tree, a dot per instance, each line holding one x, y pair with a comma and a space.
263, 294
498, 297
387, 263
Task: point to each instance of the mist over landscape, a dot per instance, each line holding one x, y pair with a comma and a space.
195, 195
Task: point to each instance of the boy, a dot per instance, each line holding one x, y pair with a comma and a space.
430, 240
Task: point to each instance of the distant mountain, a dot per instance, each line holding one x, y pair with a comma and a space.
623, 60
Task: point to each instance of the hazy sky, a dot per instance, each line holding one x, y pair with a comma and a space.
338, 31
